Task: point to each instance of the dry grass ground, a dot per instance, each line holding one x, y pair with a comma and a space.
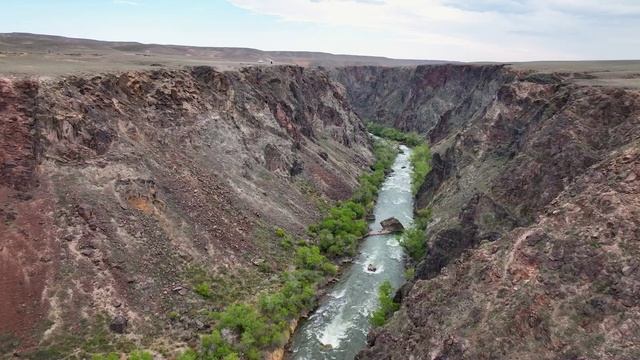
45, 55
620, 73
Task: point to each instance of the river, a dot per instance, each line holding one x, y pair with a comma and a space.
338, 328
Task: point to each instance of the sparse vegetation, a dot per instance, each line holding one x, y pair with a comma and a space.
234, 285
173, 315
203, 290
386, 306
134, 355
8, 342
95, 342
409, 273
109, 356
189, 354
312, 193
422, 217
140, 355
280, 232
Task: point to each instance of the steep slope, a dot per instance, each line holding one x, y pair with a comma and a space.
120, 191
415, 98
509, 147
567, 286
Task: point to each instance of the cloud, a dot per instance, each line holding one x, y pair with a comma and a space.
503, 30
596, 7
499, 6
126, 2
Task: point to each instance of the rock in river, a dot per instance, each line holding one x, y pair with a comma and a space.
391, 225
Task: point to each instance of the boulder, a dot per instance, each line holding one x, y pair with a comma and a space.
296, 168
391, 225
326, 347
118, 324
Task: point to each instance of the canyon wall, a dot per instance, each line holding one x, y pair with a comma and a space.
119, 190
535, 195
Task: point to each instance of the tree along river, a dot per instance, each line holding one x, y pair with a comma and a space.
338, 328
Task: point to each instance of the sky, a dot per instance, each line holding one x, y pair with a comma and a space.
462, 30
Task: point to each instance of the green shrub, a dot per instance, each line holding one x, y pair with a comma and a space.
421, 162
386, 306
109, 356
134, 355
280, 232
213, 346
140, 355
286, 243
173, 315
423, 216
413, 242
264, 324
189, 354
409, 273
254, 329
329, 269
339, 232
203, 289
309, 257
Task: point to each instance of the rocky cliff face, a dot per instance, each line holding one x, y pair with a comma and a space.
532, 246
417, 98
117, 190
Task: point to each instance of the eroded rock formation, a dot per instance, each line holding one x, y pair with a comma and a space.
113, 187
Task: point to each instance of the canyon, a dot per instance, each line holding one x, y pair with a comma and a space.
122, 189
533, 242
